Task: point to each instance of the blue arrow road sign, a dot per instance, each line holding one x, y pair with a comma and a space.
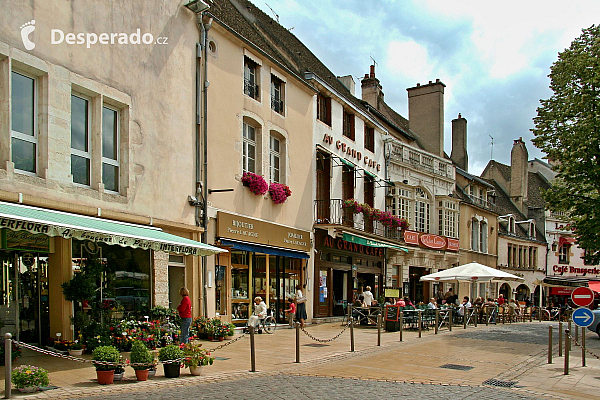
583, 317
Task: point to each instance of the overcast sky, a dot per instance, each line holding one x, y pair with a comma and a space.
494, 57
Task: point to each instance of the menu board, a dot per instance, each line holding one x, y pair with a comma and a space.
391, 313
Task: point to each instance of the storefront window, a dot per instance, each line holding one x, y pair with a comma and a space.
240, 290
125, 277
176, 278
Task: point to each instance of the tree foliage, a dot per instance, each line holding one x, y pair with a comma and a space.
567, 129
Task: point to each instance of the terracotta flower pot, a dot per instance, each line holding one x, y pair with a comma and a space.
105, 377
28, 389
141, 374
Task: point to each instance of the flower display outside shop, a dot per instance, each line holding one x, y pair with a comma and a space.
279, 192
255, 183
29, 376
385, 217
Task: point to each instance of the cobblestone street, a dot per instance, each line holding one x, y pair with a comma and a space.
304, 387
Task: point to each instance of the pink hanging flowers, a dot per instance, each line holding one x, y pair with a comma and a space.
255, 183
385, 217
279, 192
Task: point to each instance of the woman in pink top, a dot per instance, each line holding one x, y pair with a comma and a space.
185, 313
401, 302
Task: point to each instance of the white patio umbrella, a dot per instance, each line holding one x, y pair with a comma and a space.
471, 272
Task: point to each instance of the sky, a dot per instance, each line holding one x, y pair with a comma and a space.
493, 57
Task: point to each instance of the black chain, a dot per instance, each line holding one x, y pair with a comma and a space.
326, 340
577, 344
232, 341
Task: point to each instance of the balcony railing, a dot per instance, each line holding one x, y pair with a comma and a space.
277, 105
251, 89
480, 201
331, 212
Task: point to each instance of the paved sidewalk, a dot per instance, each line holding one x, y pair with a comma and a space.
507, 353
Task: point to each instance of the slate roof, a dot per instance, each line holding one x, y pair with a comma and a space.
256, 27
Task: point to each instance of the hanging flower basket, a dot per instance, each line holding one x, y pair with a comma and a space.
279, 192
388, 219
255, 183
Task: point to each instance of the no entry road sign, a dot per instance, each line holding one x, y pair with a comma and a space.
583, 317
582, 296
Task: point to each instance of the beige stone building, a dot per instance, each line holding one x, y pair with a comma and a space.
97, 139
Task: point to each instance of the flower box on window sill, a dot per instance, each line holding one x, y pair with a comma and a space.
279, 192
255, 183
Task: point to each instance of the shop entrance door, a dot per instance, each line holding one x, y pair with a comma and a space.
24, 296
323, 295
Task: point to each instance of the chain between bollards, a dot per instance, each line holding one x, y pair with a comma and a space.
550, 344
252, 350
567, 348
7, 365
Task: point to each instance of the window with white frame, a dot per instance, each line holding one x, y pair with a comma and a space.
474, 234
80, 140
401, 203
249, 148
23, 132
275, 159
448, 218
251, 78
277, 94
564, 251
483, 236
421, 210
110, 149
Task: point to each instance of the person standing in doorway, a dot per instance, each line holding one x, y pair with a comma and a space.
185, 313
300, 306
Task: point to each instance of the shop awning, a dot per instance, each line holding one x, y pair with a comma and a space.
256, 248
565, 281
566, 240
348, 163
35, 220
594, 285
371, 243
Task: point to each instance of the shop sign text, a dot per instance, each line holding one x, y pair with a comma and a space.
351, 152
431, 241
562, 269
354, 247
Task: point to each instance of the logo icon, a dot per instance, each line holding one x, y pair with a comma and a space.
26, 30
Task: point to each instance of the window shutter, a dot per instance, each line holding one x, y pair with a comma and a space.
328, 107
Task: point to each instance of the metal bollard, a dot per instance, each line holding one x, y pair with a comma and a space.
576, 334
569, 328
567, 346
401, 323
450, 319
7, 365
252, 351
487, 316
420, 323
540, 313
550, 344
477, 309
560, 332
465, 316
503, 315
437, 320
352, 334
583, 347
297, 342
531, 314
378, 329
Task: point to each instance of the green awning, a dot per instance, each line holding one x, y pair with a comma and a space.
392, 184
35, 220
371, 243
370, 174
348, 163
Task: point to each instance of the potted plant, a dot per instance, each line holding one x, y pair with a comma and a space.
209, 329
230, 330
220, 331
141, 360
279, 192
105, 372
173, 354
195, 357
75, 348
28, 378
255, 183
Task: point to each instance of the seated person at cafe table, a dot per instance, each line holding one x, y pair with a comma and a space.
401, 302
465, 303
432, 304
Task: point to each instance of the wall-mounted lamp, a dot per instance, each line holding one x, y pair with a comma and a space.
197, 6
405, 181
193, 200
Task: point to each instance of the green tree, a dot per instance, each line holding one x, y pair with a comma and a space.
567, 129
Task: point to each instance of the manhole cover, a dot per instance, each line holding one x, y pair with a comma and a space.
221, 358
315, 345
49, 387
458, 367
496, 382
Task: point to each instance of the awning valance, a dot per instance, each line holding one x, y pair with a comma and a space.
256, 248
35, 220
566, 240
371, 243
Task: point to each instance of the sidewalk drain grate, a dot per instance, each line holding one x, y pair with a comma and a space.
458, 367
49, 387
315, 345
496, 382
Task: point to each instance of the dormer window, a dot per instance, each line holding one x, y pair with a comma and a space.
511, 224
532, 229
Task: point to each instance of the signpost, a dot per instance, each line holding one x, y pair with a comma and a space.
582, 296
583, 317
